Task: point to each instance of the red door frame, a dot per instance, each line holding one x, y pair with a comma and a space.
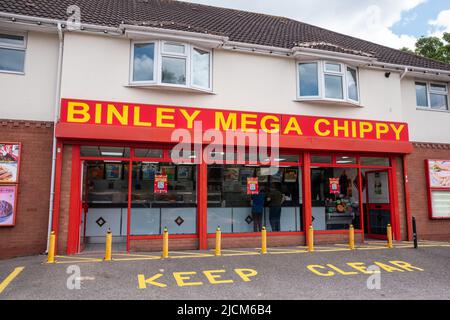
390, 206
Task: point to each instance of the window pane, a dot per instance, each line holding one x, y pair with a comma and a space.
438, 87
352, 84
333, 87
345, 160
148, 153
334, 67
335, 198
309, 82
173, 70
201, 68
96, 151
421, 95
174, 48
175, 208
235, 210
372, 161
143, 62
320, 159
10, 39
12, 60
438, 101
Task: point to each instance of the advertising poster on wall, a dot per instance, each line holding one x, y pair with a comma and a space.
334, 186
160, 183
9, 162
113, 171
7, 205
439, 173
252, 185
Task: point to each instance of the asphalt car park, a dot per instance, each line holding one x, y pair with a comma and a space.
330, 272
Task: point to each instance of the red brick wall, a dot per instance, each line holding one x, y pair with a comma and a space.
64, 204
29, 235
426, 227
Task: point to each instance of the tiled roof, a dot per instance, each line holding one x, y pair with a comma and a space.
240, 26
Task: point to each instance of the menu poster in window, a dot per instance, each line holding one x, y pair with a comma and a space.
9, 159
334, 186
160, 183
7, 205
439, 173
169, 171
290, 175
184, 172
277, 176
148, 171
231, 174
252, 185
113, 171
96, 172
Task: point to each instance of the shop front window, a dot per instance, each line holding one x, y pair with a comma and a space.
237, 206
170, 201
335, 198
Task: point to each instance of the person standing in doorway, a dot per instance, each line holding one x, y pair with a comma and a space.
275, 198
258, 209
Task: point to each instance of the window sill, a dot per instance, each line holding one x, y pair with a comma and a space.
432, 110
168, 87
319, 101
13, 72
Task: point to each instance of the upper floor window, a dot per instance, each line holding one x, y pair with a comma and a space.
12, 52
328, 80
432, 95
171, 63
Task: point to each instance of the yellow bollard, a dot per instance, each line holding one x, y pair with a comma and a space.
218, 242
311, 239
165, 253
263, 240
108, 246
389, 236
51, 248
351, 238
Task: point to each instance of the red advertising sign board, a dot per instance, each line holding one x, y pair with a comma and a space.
142, 116
252, 185
334, 186
161, 183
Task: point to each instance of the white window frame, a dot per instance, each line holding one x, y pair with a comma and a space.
430, 91
321, 70
155, 64
22, 47
157, 69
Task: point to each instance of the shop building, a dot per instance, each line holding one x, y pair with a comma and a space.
356, 133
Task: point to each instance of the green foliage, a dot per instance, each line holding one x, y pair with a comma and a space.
433, 48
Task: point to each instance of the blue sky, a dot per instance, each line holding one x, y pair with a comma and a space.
415, 22
394, 23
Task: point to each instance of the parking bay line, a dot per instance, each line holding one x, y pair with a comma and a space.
10, 278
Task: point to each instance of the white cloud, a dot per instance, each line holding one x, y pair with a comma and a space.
367, 19
441, 24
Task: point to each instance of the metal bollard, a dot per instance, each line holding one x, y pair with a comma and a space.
351, 237
108, 246
218, 242
165, 253
51, 249
263, 240
311, 239
414, 230
389, 236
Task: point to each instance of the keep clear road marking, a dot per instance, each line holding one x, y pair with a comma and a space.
10, 278
191, 278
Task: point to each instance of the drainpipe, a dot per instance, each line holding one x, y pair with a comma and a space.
55, 120
404, 73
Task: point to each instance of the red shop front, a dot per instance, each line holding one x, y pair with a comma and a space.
128, 174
